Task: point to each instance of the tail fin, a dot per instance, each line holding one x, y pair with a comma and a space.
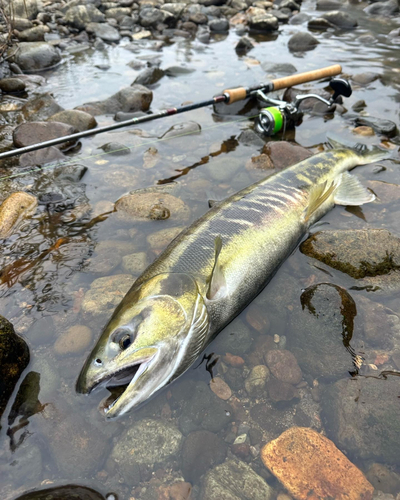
367, 154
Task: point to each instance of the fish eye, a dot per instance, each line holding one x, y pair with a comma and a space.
125, 341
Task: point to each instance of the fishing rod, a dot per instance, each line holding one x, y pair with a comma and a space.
229, 96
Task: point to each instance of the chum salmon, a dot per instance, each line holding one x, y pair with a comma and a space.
211, 271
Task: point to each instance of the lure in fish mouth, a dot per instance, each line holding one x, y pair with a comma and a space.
148, 341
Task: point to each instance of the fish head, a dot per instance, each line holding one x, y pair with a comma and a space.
141, 346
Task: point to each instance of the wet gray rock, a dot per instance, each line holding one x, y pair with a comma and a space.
41, 157
148, 442
14, 358
34, 132
289, 4
300, 42
40, 108
11, 85
244, 45
149, 76
340, 19
376, 323
21, 24
278, 68
79, 16
283, 16
365, 78
184, 128
176, 71
300, 18
283, 366
129, 99
36, 56
234, 480
66, 492
35, 34
323, 331
330, 4
27, 9
263, 22
78, 119
284, 154
219, 25
359, 253
201, 408
381, 126
150, 17
174, 8
118, 13
115, 149
249, 138
201, 450
236, 339
359, 105
389, 8
104, 31
362, 417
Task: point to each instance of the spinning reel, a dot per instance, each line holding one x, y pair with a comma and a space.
282, 114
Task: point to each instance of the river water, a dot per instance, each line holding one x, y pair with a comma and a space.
64, 438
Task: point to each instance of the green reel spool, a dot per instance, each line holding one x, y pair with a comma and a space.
270, 120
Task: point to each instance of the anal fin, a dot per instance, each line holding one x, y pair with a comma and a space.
351, 192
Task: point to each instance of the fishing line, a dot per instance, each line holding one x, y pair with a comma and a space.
98, 155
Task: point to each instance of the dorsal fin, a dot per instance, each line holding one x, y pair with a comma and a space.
318, 196
217, 283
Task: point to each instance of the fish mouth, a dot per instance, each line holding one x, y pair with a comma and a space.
118, 382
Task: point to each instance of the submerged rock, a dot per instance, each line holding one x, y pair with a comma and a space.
67, 492
41, 157
106, 293
383, 479
362, 417
256, 381
201, 450
160, 239
322, 329
14, 358
358, 253
14, 209
234, 480
36, 56
236, 338
148, 442
283, 366
309, 465
284, 154
151, 204
75, 340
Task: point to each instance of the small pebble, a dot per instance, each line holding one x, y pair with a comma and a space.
241, 450
220, 388
276, 338
232, 360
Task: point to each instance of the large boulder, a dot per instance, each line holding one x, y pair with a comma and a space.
30, 133
14, 358
36, 56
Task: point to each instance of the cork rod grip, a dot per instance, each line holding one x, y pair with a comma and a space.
235, 95
309, 76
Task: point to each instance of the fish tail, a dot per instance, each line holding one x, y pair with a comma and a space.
366, 154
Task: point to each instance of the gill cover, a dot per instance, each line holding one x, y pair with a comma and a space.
148, 340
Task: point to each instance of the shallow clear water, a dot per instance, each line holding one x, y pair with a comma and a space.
68, 440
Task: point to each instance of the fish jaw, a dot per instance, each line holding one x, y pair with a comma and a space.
155, 370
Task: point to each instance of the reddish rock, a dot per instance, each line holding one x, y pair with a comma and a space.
241, 450
283, 154
281, 391
220, 388
311, 467
257, 318
232, 360
283, 366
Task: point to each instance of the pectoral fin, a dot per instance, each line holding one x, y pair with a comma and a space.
217, 283
318, 196
352, 192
